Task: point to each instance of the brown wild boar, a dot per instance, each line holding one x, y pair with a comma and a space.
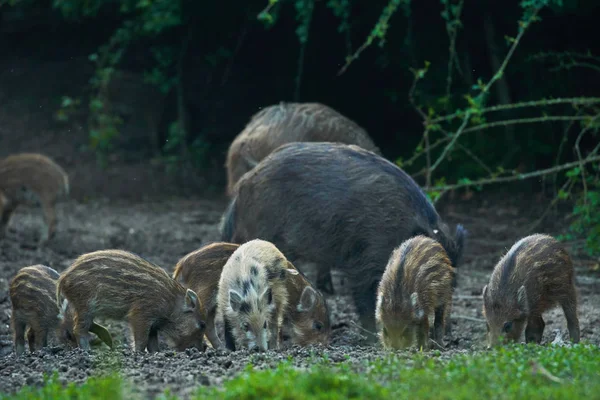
289, 122
34, 307
30, 178
118, 284
416, 284
340, 207
252, 296
535, 275
307, 316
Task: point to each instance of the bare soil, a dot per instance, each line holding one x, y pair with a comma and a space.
136, 206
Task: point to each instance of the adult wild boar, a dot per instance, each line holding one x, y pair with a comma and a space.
284, 123
338, 206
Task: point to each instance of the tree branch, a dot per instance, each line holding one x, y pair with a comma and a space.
518, 177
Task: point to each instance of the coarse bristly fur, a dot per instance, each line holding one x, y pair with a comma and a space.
252, 296
306, 317
535, 275
416, 284
35, 313
31, 178
283, 123
117, 284
338, 206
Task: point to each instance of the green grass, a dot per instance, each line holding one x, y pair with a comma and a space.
507, 373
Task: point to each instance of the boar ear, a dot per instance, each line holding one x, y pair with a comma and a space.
308, 299
522, 302
235, 300
191, 299
291, 269
417, 309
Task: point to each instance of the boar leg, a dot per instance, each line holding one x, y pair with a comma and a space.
569, 307
5, 218
153, 341
30, 339
423, 334
141, 331
18, 335
439, 324
324, 280
229, 340
50, 219
364, 301
41, 339
535, 329
82, 323
211, 333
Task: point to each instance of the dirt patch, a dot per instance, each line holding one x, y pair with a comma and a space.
165, 230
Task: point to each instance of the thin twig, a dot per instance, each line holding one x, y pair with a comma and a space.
578, 151
521, 121
525, 104
533, 174
363, 329
468, 297
236, 50
452, 31
467, 318
570, 182
562, 145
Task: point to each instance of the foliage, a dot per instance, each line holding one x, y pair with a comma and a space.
107, 387
586, 218
514, 371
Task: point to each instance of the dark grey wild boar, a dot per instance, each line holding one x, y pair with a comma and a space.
285, 123
535, 275
118, 284
416, 284
30, 178
252, 296
338, 206
306, 317
35, 313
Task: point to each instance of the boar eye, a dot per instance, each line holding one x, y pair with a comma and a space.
507, 327
265, 325
487, 326
385, 332
317, 326
246, 326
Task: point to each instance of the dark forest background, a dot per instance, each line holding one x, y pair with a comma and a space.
174, 81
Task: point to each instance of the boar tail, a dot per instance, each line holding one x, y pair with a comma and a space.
459, 243
67, 188
227, 227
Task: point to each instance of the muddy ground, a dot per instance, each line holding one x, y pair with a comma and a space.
135, 206
165, 230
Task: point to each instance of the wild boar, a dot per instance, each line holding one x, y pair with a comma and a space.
118, 284
289, 122
306, 316
338, 206
30, 178
535, 275
252, 296
35, 312
417, 283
